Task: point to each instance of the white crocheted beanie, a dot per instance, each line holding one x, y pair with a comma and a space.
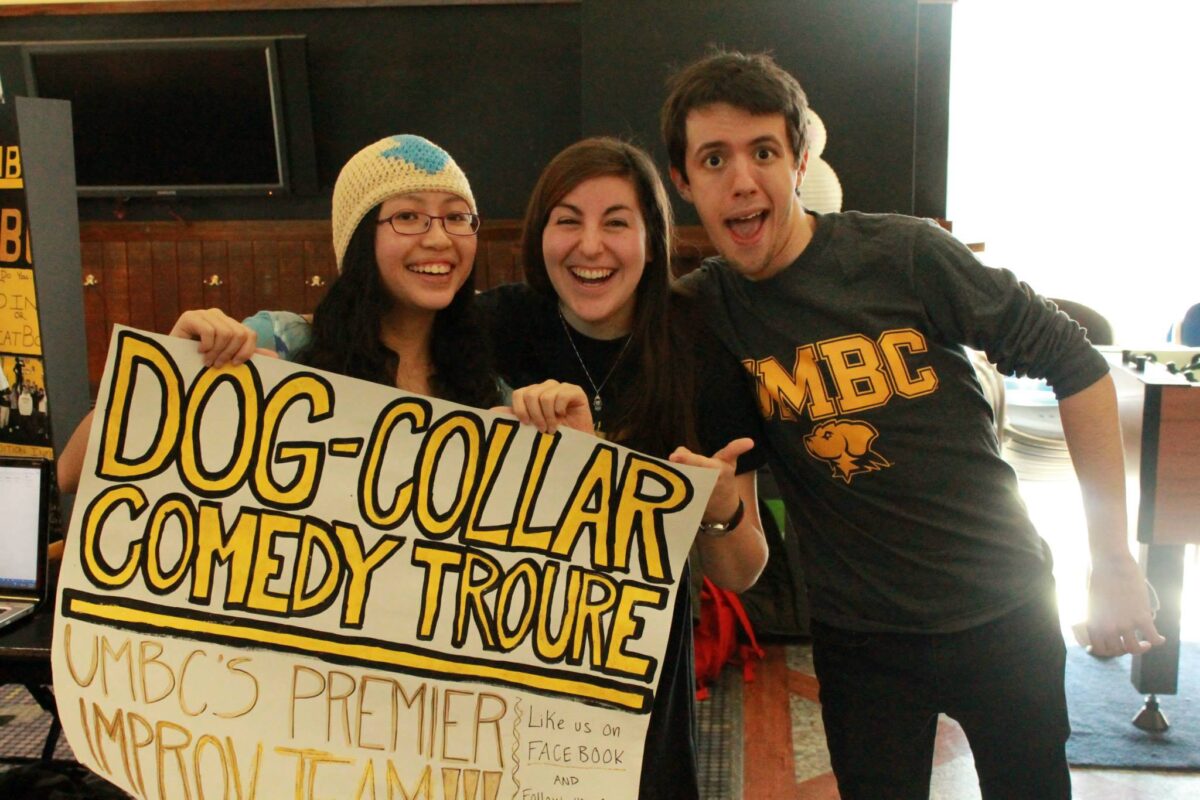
392, 166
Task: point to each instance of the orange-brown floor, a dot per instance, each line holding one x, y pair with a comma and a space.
758, 741
783, 754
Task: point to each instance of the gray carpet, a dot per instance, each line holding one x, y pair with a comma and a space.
1103, 702
719, 738
23, 727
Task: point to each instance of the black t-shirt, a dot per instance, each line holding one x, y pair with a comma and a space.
529, 346
877, 430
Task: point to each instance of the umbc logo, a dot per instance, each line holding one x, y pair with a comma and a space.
846, 447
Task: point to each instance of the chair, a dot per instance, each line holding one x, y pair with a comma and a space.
1031, 428
1098, 329
1187, 331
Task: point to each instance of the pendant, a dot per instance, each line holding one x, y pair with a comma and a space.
596, 404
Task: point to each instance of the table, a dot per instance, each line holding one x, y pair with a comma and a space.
25, 660
1160, 419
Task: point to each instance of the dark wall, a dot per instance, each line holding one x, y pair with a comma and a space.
497, 86
855, 59
933, 110
504, 87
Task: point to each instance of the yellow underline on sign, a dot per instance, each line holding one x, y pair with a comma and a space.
12, 183
226, 628
345, 448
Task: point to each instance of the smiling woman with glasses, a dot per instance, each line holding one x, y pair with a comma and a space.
414, 223
401, 311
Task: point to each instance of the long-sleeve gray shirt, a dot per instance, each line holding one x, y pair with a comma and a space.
878, 433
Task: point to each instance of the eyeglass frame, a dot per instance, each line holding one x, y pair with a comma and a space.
429, 218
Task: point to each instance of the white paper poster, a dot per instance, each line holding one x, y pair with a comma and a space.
282, 583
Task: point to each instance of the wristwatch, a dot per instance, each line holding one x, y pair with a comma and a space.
719, 529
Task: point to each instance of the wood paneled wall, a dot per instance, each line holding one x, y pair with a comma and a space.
146, 274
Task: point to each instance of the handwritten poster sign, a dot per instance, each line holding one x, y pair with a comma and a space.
280, 582
19, 332
24, 409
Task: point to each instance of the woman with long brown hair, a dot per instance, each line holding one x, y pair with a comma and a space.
597, 311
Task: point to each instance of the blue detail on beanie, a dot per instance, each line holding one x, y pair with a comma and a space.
421, 153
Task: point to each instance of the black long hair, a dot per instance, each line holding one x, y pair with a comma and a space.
655, 410
346, 330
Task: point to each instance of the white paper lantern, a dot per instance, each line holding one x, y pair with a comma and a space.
817, 134
821, 190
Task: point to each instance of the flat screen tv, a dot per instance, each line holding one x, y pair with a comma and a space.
178, 116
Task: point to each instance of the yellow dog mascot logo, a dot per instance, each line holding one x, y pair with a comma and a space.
846, 447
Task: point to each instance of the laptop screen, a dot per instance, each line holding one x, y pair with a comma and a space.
20, 526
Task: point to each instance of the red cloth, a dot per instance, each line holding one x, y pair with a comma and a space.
723, 635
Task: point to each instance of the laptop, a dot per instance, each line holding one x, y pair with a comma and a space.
24, 528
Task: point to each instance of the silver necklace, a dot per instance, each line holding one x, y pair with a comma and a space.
597, 404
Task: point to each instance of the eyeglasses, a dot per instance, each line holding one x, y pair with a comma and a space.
414, 223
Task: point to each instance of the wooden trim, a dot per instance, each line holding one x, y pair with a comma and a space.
690, 241
204, 231
1177, 470
81, 7
1148, 470
245, 230
692, 238
145, 274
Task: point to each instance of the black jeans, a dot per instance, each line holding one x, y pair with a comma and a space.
1002, 682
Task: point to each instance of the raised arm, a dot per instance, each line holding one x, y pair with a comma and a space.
734, 557
1119, 616
70, 461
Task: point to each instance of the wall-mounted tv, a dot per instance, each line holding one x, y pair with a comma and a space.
182, 116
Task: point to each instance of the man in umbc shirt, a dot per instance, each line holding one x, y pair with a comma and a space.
931, 591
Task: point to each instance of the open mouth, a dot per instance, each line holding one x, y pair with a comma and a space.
430, 269
746, 228
592, 276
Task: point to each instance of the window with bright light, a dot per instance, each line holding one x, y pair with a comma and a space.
1075, 151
